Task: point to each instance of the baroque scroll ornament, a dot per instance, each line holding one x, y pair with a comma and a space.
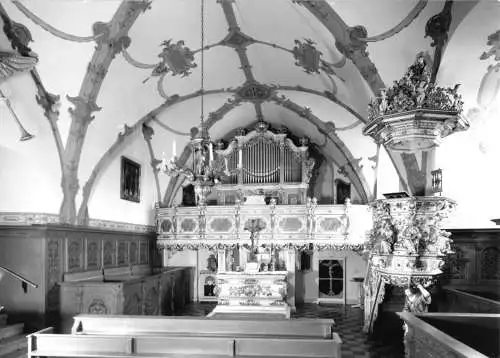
175, 58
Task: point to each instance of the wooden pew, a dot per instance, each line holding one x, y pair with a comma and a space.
47, 344
288, 347
200, 326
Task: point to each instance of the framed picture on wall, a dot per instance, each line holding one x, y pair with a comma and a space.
130, 183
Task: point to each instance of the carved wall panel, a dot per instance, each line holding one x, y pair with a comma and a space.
133, 305
330, 225
122, 253
94, 252
166, 225
291, 224
54, 269
221, 224
75, 254
490, 264
143, 253
108, 253
189, 225
133, 253
97, 306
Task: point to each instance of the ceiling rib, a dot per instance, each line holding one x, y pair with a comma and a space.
356, 175
230, 16
123, 139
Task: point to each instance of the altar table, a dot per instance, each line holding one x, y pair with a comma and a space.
252, 293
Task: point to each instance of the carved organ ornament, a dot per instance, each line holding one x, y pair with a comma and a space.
265, 162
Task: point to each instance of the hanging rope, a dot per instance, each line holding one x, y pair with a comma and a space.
202, 63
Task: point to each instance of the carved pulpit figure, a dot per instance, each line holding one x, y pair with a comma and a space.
417, 300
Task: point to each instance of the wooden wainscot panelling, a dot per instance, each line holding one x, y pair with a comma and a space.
51, 254
122, 256
74, 253
94, 254
143, 252
133, 252
54, 274
108, 253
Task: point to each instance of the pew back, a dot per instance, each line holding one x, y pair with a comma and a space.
288, 347
46, 344
199, 326
65, 345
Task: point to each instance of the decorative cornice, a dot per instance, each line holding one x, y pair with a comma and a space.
28, 219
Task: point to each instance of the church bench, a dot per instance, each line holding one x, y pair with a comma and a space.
198, 326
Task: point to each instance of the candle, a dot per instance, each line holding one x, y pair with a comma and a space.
240, 158
211, 151
174, 149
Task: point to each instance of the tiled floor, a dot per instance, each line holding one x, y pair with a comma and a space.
349, 324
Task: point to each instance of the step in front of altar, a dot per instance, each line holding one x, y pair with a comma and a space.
251, 312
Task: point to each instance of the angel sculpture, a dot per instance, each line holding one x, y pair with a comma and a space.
12, 63
383, 102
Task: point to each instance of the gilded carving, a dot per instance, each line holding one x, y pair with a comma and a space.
97, 306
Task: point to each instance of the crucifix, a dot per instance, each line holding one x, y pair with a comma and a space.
255, 226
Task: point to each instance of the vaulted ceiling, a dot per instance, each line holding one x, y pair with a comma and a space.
309, 65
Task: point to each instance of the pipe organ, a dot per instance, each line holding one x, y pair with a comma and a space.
264, 161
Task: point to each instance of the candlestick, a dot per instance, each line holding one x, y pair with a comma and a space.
174, 149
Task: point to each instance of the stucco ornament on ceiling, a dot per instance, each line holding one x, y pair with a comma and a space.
176, 58
307, 56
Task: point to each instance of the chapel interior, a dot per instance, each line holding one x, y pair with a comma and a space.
249, 178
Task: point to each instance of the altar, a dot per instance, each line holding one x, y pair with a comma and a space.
247, 293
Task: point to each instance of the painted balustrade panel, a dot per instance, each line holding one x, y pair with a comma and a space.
280, 225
